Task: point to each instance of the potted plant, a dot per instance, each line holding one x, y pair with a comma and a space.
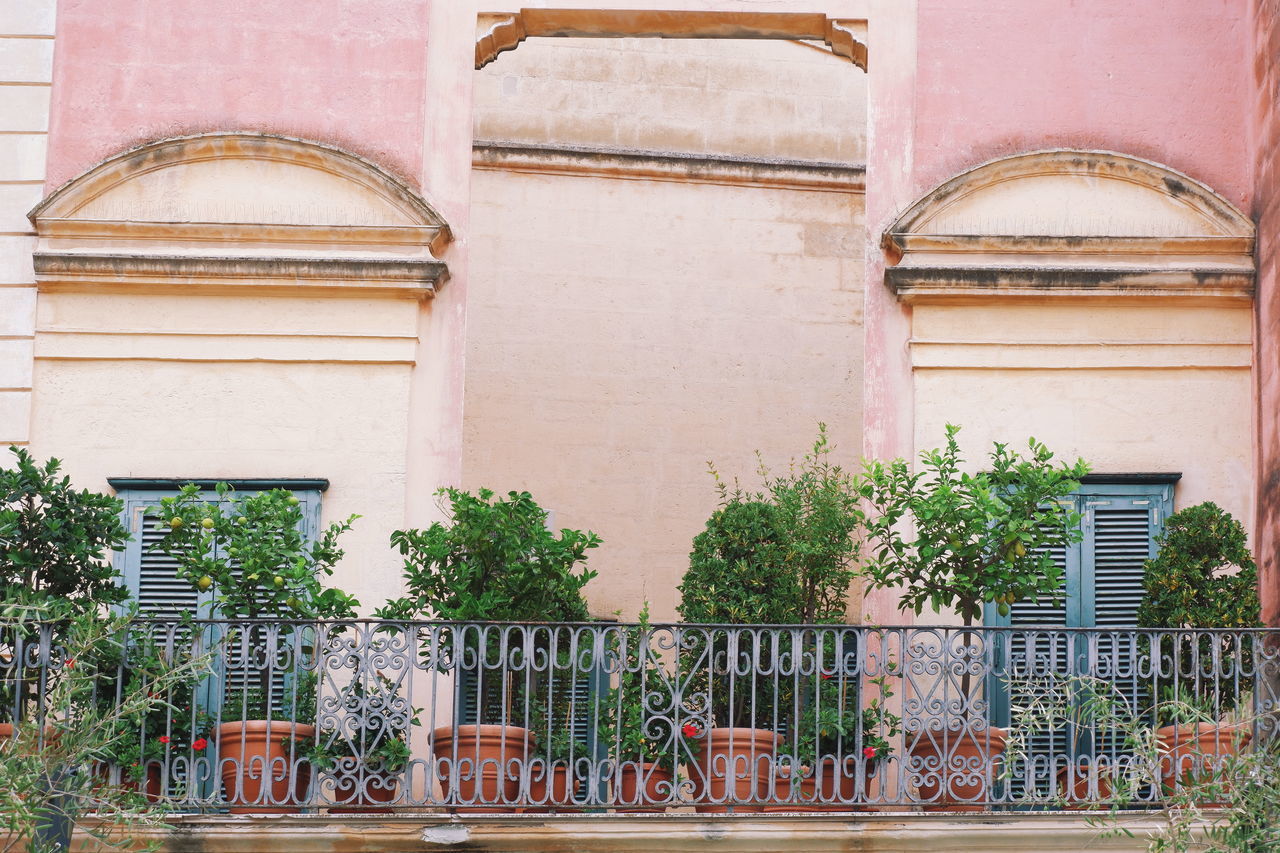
782, 555
949, 539
249, 552
164, 747
364, 748
642, 725
736, 576
490, 561
1203, 576
837, 746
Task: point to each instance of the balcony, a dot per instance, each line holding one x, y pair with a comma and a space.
459, 725
595, 717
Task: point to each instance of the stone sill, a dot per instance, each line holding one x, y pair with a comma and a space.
900, 833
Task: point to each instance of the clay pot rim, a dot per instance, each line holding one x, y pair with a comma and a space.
486, 730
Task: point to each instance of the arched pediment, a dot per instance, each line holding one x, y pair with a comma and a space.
1069, 221
228, 208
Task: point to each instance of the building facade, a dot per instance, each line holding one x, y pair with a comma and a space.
365, 250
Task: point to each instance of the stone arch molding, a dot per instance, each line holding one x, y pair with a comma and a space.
1071, 222
240, 210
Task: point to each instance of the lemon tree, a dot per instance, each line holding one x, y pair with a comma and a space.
949, 539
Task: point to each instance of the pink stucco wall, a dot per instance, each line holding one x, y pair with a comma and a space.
1169, 81
128, 71
1266, 56
955, 83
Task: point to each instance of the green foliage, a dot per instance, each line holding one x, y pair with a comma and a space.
492, 561
737, 572
834, 722
170, 727
816, 525
975, 537
375, 732
56, 541
253, 554
47, 768
642, 707
1203, 576
1092, 709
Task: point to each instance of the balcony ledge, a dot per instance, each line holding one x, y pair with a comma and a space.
866, 833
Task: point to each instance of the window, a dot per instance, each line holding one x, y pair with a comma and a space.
150, 575
1120, 519
152, 578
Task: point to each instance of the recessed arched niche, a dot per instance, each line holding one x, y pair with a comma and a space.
1069, 222
240, 211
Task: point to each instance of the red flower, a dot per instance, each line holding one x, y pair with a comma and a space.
869, 751
689, 730
163, 738
71, 662
826, 675
199, 743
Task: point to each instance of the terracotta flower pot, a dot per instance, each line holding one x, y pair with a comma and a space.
365, 793
263, 771
550, 787
480, 766
1076, 783
642, 788
733, 768
1195, 753
955, 769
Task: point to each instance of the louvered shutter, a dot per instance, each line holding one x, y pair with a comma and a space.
1120, 532
1103, 585
152, 578
1033, 662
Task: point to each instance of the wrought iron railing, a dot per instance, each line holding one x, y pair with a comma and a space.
366, 715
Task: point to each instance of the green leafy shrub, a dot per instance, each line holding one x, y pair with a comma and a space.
737, 572
495, 560
47, 776
816, 529
492, 561
251, 553
975, 538
56, 541
1203, 575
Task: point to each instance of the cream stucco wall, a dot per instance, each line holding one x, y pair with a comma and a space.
26, 68
1129, 387
175, 386
622, 334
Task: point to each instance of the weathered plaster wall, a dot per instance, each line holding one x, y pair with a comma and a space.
624, 333
739, 98
129, 71
26, 66
1130, 387
954, 84
1167, 82
1266, 68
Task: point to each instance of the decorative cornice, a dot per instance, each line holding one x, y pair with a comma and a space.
373, 276
658, 165
167, 484
994, 231
497, 32
300, 216
916, 283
